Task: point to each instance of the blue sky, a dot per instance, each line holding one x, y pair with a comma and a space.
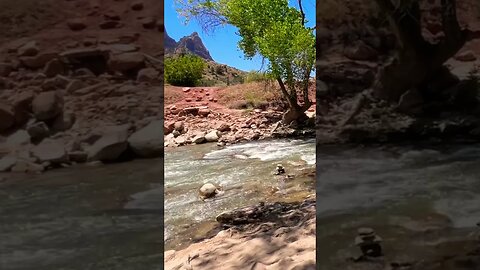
222, 43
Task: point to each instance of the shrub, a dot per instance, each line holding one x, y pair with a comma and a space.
184, 70
255, 76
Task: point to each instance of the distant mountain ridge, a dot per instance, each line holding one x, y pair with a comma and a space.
192, 44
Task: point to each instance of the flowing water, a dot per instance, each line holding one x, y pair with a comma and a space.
244, 171
83, 218
399, 191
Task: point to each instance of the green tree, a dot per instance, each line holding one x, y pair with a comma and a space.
272, 29
184, 70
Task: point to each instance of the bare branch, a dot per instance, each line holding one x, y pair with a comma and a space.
301, 12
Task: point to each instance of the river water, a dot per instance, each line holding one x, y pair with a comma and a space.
413, 197
244, 171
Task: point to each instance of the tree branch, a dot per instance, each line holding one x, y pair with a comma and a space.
301, 12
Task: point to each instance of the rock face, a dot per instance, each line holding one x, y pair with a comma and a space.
192, 44
47, 105
111, 145
52, 151
148, 141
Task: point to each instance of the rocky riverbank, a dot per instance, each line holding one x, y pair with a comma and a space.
88, 89
197, 116
265, 236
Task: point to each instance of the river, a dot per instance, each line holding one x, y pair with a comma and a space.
245, 171
414, 198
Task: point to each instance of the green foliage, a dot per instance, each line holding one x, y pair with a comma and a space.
270, 28
184, 70
255, 76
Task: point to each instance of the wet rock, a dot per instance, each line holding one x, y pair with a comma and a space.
47, 105
148, 141
37, 130
76, 24
208, 190
410, 102
28, 49
111, 145
52, 151
7, 118
25, 166
180, 140
212, 136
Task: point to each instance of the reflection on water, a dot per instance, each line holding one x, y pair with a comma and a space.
245, 171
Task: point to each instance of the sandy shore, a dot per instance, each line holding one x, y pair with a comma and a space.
275, 236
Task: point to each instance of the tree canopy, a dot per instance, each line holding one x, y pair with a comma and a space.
270, 28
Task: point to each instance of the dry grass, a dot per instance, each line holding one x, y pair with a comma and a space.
250, 95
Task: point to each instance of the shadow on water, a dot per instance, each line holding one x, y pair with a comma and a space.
413, 197
76, 218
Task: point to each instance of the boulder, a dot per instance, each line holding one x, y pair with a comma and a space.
18, 139
22, 107
25, 166
74, 85
7, 117
148, 75
47, 105
148, 141
223, 127
212, 136
63, 121
37, 130
466, 56
53, 68
199, 138
111, 144
178, 126
126, 62
361, 51
208, 190
76, 24
168, 127
204, 112
52, 151
28, 49
7, 162
38, 61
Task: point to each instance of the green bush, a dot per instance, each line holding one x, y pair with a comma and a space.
185, 70
255, 76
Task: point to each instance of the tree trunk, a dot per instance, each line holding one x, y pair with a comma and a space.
295, 112
417, 61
